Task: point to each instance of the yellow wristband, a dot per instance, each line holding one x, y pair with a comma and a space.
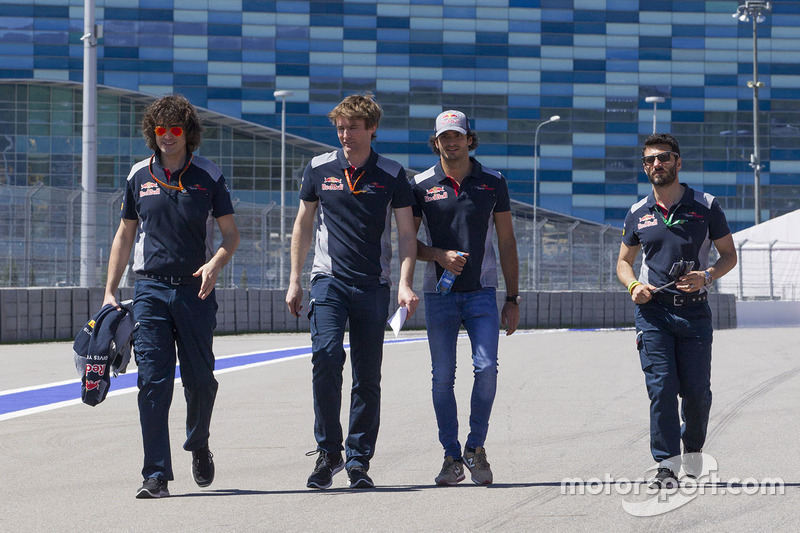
631, 285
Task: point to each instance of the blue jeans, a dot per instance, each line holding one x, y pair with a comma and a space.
170, 315
674, 346
444, 315
332, 305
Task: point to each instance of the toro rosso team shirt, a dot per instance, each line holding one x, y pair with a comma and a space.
176, 228
353, 227
461, 219
685, 232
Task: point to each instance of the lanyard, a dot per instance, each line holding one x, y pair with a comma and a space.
668, 221
167, 185
353, 184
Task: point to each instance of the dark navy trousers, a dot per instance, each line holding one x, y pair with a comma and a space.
674, 346
332, 305
169, 316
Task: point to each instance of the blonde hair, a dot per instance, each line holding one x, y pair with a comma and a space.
358, 107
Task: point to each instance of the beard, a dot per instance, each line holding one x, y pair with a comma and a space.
666, 178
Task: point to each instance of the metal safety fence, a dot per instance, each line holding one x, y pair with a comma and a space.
765, 271
40, 234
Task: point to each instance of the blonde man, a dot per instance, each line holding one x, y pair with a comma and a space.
351, 192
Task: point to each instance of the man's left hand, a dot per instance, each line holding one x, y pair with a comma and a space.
509, 317
406, 298
208, 275
691, 282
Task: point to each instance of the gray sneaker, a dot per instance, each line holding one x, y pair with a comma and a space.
452, 472
478, 466
692, 463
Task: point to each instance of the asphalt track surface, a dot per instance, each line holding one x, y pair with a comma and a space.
570, 405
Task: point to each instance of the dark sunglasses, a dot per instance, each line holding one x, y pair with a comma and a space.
663, 157
177, 131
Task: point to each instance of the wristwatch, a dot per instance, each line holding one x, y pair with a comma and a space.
709, 279
514, 299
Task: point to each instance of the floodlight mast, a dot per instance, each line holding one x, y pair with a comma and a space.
755, 11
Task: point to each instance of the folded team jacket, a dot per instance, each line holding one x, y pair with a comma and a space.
102, 347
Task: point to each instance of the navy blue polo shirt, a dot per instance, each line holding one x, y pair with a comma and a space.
462, 221
176, 228
697, 220
353, 239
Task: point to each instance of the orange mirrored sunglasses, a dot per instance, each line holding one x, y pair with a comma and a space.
177, 131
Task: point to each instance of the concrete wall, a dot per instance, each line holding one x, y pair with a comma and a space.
47, 314
768, 314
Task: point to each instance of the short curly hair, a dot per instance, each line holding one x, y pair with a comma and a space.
662, 138
358, 107
172, 110
471, 135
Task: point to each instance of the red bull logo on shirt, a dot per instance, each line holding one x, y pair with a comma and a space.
332, 183
435, 193
149, 188
647, 221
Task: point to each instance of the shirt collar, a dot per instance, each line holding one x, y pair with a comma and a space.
442, 176
368, 166
157, 161
686, 199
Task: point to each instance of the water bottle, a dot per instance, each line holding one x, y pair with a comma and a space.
446, 281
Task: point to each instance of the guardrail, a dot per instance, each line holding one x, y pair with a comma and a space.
56, 314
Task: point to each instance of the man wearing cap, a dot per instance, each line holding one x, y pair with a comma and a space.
462, 203
353, 192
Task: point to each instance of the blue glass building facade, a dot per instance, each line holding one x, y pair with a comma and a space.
509, 64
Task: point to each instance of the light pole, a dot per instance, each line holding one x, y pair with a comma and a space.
554, 118
89, 148
282, 95
655, 100
755, 11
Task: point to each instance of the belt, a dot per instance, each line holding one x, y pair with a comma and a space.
679, 300
172, 280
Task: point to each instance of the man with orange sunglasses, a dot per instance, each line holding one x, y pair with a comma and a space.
353, 190
168, 203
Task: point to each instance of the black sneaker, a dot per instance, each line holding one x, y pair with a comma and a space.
327, 466
152, 488
665, 479
359, 479
203, 466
